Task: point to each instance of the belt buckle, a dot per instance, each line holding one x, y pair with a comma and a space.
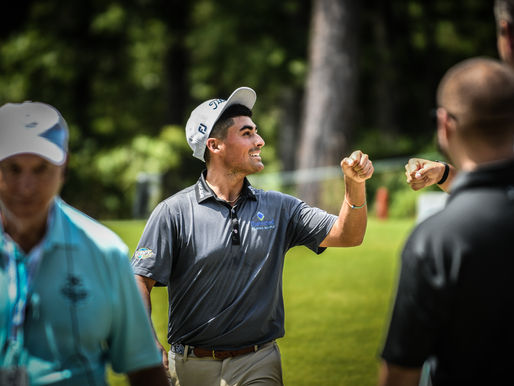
178, 348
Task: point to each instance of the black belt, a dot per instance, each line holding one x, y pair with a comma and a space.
200, 352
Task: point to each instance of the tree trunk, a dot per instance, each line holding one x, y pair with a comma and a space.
384, 102
288, 138
330, 92
175, 14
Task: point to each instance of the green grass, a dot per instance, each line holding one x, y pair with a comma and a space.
336, 305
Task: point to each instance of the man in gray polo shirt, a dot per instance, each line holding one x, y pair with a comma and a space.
219, 246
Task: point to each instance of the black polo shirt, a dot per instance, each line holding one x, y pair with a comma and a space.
223, 265
455, 298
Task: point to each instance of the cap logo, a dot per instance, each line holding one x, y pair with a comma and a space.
57, 136
202, 128
215, 103
31, 125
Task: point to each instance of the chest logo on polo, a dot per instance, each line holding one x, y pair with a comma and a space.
261, 222
74, 289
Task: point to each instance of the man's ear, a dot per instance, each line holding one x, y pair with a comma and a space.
445, 127
509, 31
506, 40
213, 144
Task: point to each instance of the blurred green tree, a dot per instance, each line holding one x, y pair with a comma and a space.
122, 73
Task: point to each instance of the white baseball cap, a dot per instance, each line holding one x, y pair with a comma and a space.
202, 119
33, 127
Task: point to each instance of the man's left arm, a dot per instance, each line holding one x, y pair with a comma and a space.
350, 226
132, 347
392, 375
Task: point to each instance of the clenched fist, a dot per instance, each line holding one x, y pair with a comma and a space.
357, 166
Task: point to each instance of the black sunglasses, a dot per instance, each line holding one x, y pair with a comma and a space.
433, 115
236, 238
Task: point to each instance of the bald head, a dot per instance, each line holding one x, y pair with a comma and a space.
479, 93
504, 10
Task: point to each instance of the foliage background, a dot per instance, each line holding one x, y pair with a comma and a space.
126, 74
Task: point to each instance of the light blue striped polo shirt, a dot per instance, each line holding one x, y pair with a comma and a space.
85, 310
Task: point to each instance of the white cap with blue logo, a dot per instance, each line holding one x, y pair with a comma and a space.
33, 127
203, 118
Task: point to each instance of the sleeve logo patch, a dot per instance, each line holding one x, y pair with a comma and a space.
144, 253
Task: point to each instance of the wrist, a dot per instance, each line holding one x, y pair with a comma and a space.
446, 171
355, 193
355, 206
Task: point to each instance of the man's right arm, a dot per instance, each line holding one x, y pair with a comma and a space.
421, 173
145, 285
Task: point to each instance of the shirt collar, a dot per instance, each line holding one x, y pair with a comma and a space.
204, 192
499, 173
50, 221
59, 232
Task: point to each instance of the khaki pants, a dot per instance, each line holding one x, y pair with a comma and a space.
257, 368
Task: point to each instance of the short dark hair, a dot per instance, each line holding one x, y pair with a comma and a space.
480, 93
219, 130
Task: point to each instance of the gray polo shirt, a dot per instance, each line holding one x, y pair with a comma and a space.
223, 265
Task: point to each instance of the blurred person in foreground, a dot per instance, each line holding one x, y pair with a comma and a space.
421, 172
220, 244
455, 296
69, 304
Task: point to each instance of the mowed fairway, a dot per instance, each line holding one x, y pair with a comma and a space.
336, 304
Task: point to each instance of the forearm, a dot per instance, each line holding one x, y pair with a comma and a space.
350, 226
145, 286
